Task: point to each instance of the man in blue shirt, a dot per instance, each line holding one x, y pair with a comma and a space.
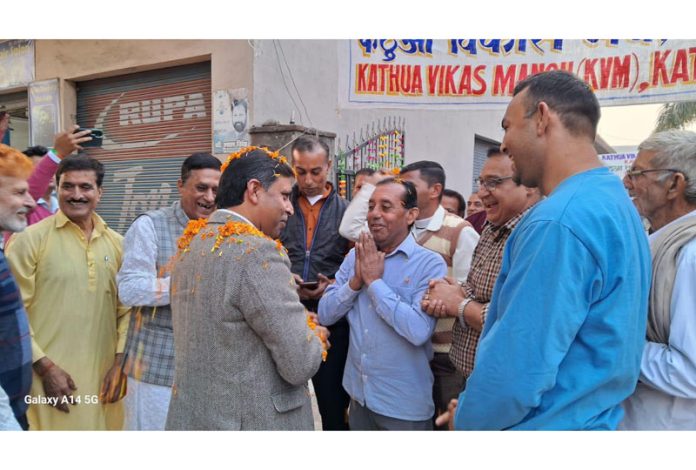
378, 288
563, 338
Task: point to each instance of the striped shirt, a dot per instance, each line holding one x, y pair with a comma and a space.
485, 266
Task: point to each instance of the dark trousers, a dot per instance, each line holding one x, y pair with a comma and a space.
328, 381
364, 419
23, 422
448, 383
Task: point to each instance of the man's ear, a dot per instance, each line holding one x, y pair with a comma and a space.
543, 117
676, 186
180, 185
253, 189
436, 190
412, 215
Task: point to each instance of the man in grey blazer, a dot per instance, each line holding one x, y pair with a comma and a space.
243, 348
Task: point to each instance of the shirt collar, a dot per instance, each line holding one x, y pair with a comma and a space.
236, 214
406, 247
434, 223
327, 191
179, 213
507, 226
62, 220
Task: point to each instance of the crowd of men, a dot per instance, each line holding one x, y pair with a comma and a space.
540, 303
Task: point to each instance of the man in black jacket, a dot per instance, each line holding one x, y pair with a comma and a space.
316, 251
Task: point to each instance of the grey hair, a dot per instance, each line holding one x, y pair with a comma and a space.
675, 149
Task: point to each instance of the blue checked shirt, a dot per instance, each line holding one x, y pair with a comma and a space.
388, 369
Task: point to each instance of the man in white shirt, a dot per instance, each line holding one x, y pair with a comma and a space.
662, 183
143, 282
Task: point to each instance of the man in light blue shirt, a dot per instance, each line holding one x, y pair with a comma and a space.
378, 288
662, 184
562, 341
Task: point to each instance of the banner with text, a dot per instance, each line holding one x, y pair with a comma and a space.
482, 73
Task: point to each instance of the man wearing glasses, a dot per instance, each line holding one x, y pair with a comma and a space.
662, 184
565, 328
505, 203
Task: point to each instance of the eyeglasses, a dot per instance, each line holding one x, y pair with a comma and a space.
491, 183
633, 174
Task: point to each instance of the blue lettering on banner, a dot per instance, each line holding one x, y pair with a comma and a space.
389, 47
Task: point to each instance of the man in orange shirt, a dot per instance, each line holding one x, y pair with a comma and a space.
316, 251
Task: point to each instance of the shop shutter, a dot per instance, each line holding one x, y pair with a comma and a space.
151, 122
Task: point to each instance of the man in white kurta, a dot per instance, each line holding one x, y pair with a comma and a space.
662, 183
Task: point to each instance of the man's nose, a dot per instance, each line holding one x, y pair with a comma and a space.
29, 201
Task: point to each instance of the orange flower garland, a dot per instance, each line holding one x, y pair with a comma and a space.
313, 326
240, 153
226, 232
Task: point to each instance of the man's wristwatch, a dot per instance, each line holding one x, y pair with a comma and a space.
460, 311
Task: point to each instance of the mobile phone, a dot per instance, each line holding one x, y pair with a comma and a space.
97, 136
310, 284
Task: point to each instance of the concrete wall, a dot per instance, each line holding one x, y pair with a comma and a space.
444, 136
79, 60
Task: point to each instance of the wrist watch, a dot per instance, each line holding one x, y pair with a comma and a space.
460, 311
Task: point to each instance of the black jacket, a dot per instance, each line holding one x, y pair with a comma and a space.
328, 246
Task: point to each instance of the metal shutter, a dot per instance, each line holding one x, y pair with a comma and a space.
481, 146
151, 121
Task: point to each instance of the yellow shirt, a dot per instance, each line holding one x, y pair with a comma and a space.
68, 286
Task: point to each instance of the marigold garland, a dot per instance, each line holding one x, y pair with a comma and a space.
191, 230
313, 326
240, 153
227, 232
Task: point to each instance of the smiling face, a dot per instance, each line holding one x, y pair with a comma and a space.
78, 194
198, 192
387, 218
474, 205
15, 203
521, 143
507, 199
648, 191
274, 206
